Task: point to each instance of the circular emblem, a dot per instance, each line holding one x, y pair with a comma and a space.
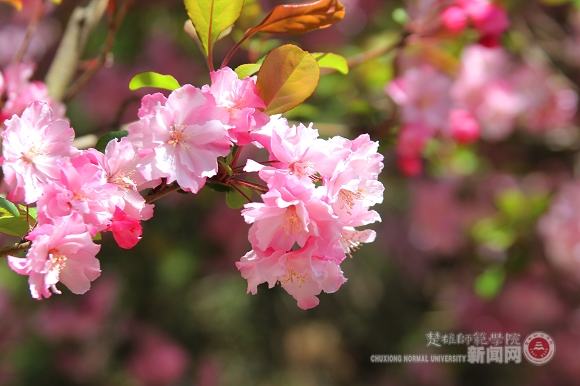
539, 348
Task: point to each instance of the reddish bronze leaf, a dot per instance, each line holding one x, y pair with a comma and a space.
300, 18
15, 3
287, 78
111, 9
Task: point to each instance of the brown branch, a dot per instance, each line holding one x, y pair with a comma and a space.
162, 192
16, 248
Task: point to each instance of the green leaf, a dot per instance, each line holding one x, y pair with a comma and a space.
14, 226
9, 206
153, 79
287, 78
218, 187
333, 61
489, 232
211, 17
400, 16
235, 200
512, 203
325, 60
247, 70
104, 140
488, 284
98, 237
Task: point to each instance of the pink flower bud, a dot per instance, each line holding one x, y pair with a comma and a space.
410, 166
464, 127
126, 229
454, 19
489, 19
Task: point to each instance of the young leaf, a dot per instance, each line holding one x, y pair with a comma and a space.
330, 60
247, 70
488, 284
235, 200
13, 226
9, 206
153, 79
300, 18
104, 140
211, 17
287, 78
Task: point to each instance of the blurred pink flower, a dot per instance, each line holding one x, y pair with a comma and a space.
19, 91
464, 128
158, 360
423, 94
560, 230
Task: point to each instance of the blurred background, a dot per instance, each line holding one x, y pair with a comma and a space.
484, 237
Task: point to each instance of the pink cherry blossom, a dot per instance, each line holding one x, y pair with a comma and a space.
302, 273
126, 230
240, 97
32, 146
62, 251
291, 213
183, 134
82, 188
353, 186
120, 163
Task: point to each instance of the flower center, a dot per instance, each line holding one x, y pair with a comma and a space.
33, 151
293, 223
291, 275
178, 137
348, 199
124, 180
58, 261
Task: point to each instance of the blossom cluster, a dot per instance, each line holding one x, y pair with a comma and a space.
318, 190
485, 16
489, 97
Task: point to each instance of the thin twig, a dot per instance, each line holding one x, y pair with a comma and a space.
29, 33
242, 193
251, 185
236, 157
102, 58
